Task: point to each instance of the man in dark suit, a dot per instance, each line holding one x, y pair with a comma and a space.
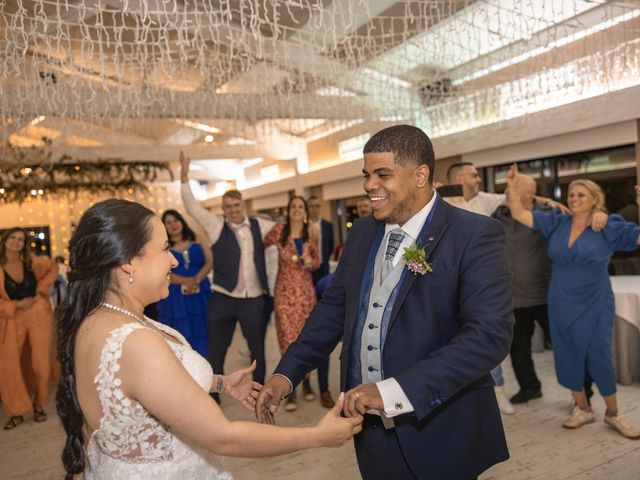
417, 348
325, 231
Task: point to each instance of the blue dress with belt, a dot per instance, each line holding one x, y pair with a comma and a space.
188, 313
580, 300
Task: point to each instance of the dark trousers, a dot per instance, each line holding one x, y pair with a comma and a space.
323, 375
379, 454
224, 312
521, 345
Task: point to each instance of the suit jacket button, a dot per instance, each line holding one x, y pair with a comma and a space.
399, 405
376, 305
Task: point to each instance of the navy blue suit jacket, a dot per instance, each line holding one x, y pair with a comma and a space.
447, 330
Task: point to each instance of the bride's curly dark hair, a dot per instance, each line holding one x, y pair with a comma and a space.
109, 234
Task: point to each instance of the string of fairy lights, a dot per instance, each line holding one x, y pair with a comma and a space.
446, 64
50, 220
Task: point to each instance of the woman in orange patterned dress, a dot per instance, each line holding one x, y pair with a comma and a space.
295, 295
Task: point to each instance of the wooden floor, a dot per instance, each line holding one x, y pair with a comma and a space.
540, 448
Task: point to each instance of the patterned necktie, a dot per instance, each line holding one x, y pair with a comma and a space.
396, 236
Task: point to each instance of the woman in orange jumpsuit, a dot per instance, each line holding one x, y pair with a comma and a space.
26, 319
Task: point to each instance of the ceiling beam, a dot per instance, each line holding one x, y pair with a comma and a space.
610, 108
543, 38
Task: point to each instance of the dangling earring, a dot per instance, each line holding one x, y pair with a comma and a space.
304, 220
130, 278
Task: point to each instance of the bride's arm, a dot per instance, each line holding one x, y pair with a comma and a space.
153, 376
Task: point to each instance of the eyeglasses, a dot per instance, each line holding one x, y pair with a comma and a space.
474, 175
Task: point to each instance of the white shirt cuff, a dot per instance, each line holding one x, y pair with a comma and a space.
393, 398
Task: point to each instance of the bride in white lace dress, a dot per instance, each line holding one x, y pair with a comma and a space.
133, 395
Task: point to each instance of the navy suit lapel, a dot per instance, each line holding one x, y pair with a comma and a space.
429, 237
364, 263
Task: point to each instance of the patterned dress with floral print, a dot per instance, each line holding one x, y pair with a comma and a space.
294, 293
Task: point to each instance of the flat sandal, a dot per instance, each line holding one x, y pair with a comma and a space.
39, 415
13, 422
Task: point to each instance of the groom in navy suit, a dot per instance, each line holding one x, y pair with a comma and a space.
417, 348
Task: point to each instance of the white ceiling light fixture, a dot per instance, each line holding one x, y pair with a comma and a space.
199, 126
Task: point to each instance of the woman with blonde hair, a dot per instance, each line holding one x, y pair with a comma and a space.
580, 300
26, 320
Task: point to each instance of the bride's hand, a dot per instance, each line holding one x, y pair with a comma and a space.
240, 385
334, 430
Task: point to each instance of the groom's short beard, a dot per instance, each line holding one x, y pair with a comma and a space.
403, 210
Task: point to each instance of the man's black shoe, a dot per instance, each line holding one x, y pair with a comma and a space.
523, 396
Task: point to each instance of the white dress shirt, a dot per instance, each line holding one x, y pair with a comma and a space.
212, 223
393, 397
483, 203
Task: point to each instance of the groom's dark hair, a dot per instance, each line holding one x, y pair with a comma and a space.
407, 143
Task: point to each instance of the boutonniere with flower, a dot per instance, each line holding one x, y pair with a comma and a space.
416, 260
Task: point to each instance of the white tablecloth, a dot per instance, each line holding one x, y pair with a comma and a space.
626, 290
626, 330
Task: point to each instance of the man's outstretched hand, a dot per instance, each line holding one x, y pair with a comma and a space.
269, 398
362, 398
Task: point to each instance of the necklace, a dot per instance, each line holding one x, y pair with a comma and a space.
124, 312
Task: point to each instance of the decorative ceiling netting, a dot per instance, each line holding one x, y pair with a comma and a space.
447, 65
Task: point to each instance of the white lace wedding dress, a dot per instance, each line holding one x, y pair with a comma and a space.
130, 443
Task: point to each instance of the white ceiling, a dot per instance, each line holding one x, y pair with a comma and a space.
141, 79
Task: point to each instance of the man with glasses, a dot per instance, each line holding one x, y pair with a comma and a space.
472, 199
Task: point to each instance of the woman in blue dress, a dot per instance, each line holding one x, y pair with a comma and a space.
185, 309
580, 299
